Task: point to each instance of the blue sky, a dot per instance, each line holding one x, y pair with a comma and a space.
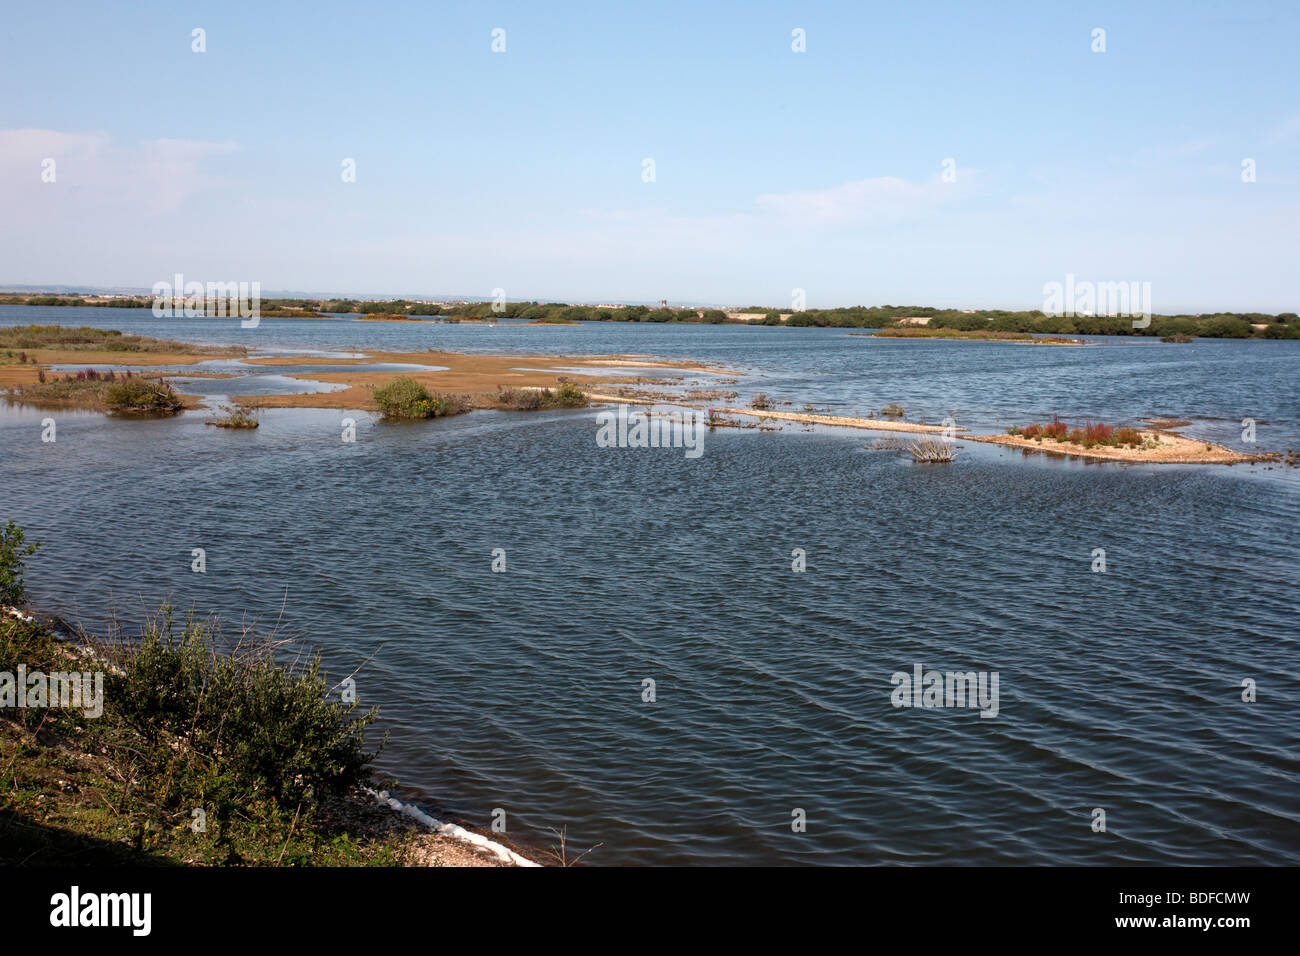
774, 170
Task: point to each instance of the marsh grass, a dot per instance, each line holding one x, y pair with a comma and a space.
122, 392
85, 339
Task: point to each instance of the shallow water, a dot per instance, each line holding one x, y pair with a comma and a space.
523, 690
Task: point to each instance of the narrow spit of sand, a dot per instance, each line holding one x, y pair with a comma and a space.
1171, 450
871, 424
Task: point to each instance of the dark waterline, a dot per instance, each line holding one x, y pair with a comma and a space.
523, 690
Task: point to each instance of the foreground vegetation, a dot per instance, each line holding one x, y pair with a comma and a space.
194, 749
200, 749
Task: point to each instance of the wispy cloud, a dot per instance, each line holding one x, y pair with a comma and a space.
1284, 130
881, 199
156, 176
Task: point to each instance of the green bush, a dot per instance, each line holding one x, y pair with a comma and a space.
243, 716
406, 398
13, 549
140, 395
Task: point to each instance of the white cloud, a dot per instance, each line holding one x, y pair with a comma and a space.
1285, 129
866, 201
156, 176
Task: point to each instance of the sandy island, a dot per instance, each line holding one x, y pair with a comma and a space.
1171, 449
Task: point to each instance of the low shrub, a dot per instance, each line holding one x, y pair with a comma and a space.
405, 398
242, 714
565, 395
140, 396
1089, 436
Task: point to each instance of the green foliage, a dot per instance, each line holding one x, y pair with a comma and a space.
13, 550
263, 746
247, 722
405, 398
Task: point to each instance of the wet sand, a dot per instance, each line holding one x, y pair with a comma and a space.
474, 375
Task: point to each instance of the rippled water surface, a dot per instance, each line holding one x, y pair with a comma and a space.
523, 690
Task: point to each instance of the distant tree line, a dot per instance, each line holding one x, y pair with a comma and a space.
1232, 325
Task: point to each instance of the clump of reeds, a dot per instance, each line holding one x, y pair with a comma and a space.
760, 402
932, 451
239, 415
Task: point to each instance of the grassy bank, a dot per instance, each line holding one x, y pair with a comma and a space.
187, 747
